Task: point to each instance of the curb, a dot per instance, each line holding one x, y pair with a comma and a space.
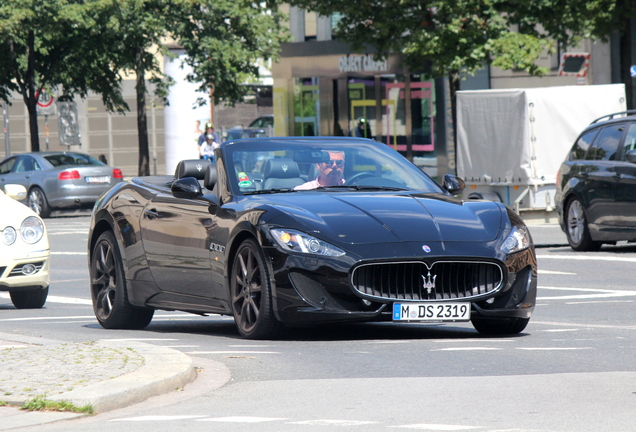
164, 370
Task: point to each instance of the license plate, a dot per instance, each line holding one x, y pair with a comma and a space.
432, 312
98, 179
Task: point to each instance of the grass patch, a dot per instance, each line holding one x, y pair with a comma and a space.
3, 403
41, 404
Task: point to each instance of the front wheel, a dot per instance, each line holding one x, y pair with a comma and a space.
108, 288
577, 230
251, 293
499, 326
31, 299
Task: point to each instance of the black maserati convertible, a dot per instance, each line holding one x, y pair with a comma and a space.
308, 230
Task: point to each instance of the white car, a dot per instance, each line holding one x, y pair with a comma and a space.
24, 251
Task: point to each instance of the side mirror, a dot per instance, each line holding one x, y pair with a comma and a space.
187, 187
454, 185
15, 191
630, 156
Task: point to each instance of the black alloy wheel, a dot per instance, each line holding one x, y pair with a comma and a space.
38, 203
250, 293
576, 228
108, 288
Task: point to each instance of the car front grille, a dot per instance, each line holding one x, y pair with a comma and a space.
443, 280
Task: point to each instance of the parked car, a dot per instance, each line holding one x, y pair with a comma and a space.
24, 250
262, 122
596, 184
59, 180
237, 238
242, 133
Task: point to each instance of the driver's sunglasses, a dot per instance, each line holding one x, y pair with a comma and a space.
338, 162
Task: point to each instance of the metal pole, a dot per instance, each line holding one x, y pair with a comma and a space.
46, 130
7, 143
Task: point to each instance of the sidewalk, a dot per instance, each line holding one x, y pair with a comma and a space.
104, 374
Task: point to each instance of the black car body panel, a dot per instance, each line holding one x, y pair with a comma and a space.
599, 177
178, 253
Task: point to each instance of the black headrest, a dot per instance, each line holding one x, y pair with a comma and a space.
210, 177
281, 168
191, 168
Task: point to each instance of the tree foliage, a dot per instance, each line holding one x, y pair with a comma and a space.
54, 44
77, 46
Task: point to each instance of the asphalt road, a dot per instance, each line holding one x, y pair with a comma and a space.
571, 370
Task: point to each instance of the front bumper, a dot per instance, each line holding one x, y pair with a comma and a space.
319, 290
12, 278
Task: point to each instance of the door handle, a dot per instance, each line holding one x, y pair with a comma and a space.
151, 214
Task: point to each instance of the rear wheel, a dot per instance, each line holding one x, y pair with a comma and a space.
577, 230
31, 299
108, 288
499, 326
251, 293
38, 203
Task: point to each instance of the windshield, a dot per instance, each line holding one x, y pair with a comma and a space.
72, 159
320, 164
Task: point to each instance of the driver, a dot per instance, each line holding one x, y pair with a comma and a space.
330, 173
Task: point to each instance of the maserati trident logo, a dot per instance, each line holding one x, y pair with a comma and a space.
429, 282
199, 167
285, 168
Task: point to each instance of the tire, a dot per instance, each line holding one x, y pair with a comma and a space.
576, 228
38, 203
108, 288
500, 326
251, 293
31, 299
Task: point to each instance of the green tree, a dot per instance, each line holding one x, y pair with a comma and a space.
569, 21
222, 39
55, 44
444, 38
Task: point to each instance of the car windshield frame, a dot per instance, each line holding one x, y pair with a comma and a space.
244, 161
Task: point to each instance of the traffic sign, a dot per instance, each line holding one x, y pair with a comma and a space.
45, 105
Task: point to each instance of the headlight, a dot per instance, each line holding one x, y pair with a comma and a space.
517, 240
32, 230
297, 241
9, 235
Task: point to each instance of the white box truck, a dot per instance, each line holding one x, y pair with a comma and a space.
511, 142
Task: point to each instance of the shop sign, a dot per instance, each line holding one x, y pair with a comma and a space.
361, 63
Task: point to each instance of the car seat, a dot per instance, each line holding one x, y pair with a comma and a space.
281, 174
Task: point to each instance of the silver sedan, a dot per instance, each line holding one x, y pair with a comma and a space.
59, 180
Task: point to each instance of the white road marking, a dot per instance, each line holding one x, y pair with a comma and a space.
437, 427
332, 423
573, 257
468, 349
554, 272
158, 418
69, 253
601, 293
239, 419
57, 299
555, 348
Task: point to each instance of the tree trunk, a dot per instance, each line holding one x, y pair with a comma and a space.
30, 95
142, 121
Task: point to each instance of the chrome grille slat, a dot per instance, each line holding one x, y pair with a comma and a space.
454, 280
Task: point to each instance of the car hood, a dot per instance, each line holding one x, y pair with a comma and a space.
379, 218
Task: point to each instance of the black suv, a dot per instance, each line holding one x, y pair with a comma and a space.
596, 185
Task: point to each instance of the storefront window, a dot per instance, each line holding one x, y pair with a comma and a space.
362, 115
306, 107
416, 119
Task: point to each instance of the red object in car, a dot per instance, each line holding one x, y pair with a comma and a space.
68, 175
